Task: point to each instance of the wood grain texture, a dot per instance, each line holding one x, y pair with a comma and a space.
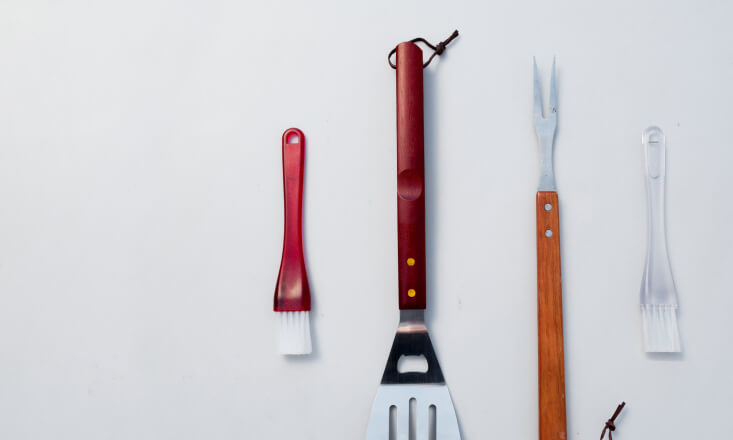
551, 355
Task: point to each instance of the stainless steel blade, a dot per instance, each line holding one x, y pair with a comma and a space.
427, 388
399, 396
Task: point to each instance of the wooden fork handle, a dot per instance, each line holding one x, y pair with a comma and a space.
549, 320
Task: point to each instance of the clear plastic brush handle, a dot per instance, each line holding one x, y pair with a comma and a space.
657, 283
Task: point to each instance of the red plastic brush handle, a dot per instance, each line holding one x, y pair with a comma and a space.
292, 292
410, 177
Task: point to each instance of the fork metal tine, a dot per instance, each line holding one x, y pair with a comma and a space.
545, 128
537, 92
553, 89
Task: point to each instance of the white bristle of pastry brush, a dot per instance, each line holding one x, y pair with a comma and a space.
661, 333
294, 332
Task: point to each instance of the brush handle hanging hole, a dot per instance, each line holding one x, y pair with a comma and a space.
548, 207
548, 233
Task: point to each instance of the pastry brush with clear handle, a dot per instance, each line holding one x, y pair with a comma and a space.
658, 293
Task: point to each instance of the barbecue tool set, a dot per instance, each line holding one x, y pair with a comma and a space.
417, 404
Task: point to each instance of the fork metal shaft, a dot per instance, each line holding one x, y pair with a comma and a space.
547, 172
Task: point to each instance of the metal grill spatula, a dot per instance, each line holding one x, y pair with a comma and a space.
432, 408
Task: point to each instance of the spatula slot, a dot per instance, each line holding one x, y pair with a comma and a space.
392, 422
410, 412
412, 364
432, 433
412, 434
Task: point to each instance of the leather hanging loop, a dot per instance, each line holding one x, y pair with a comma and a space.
610, 423
437, 49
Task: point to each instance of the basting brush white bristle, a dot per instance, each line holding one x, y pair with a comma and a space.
661, 333
294, 332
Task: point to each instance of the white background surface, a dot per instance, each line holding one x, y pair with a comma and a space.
141, 213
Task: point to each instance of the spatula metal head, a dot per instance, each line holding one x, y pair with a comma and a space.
428, 389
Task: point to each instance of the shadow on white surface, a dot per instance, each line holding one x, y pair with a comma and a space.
432, 180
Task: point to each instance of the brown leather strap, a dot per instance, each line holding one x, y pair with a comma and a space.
437, 50
610, 425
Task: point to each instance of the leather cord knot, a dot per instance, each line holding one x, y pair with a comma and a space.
440, 48
437, 49
610, 423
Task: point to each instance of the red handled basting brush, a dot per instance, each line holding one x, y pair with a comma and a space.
292, 294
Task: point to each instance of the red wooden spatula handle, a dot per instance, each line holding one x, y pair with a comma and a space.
410, 177
292, 293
